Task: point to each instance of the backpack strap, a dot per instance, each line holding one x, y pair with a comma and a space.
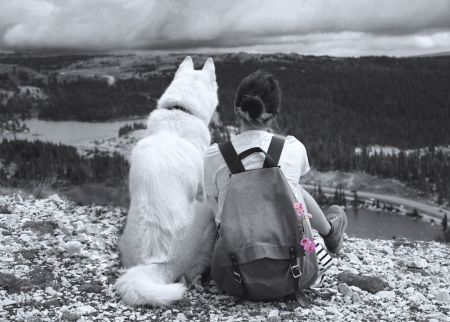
275, 149
234, 161
228, 153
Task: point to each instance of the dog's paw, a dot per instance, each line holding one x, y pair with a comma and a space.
197, 280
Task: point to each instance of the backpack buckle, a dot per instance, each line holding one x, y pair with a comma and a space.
237, 277
296, 271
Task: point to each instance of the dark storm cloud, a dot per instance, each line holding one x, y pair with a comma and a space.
343, 27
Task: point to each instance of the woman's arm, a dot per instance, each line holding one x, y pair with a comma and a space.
318, 220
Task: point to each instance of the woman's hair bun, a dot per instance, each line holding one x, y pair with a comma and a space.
253, 105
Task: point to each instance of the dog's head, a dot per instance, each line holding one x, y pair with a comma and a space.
194, 90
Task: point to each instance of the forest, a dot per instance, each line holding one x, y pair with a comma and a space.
40, 161
332, 105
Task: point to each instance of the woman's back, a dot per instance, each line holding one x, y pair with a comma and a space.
293, 162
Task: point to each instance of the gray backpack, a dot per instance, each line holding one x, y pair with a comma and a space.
257, 254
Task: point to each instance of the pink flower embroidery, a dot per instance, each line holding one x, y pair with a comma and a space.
301, 211
308, 245
299, 208
305, 241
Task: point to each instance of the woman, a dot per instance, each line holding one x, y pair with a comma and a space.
257, 103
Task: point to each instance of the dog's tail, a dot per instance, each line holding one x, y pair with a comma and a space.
145, 285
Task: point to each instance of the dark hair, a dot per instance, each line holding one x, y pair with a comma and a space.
257, 94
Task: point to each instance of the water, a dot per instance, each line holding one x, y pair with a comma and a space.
363, 223
70, 132
370, 224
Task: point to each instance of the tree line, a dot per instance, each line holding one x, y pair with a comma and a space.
38, 161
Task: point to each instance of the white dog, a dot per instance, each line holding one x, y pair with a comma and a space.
170, 227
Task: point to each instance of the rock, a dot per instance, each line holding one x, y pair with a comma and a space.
370, 284
343, 288
50, 291
318, 312
199, 288
29, 254
409, 290
370, 244
72, 247
181, 317
165, 313
82, 237
90, 288
78, 226
65, 229
439, 316
387, 251
435, 280
387, 295
7, 302
355, 298
416, 262
214, 290
188, 314
55, 197
51, 303
86, 309
273, 313
353, 258
443, 296
346, 268
418, 270
404, 244
417, 298
283, 306
301, 312
4, 232
40, 277
41, 227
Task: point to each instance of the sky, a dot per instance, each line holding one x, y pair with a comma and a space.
309, 27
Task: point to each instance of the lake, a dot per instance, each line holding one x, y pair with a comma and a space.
370, 224
70, 132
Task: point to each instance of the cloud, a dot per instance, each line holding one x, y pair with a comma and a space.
308, 26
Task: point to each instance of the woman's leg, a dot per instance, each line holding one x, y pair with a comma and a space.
332, 227
318, 220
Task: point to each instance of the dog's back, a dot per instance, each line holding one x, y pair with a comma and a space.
168, 223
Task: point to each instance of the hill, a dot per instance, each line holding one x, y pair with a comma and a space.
59, 262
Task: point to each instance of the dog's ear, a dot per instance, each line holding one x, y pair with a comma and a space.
187, 64
210, 69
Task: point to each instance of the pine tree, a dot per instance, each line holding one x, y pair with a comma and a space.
355, 196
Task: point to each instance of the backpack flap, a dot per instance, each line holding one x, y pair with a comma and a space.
257, 217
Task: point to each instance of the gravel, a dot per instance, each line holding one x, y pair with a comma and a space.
59, 262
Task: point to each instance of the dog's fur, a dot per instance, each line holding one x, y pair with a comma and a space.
170, 226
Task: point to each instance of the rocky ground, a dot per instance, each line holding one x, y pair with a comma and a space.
58, 262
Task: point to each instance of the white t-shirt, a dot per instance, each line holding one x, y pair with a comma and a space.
293, 162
